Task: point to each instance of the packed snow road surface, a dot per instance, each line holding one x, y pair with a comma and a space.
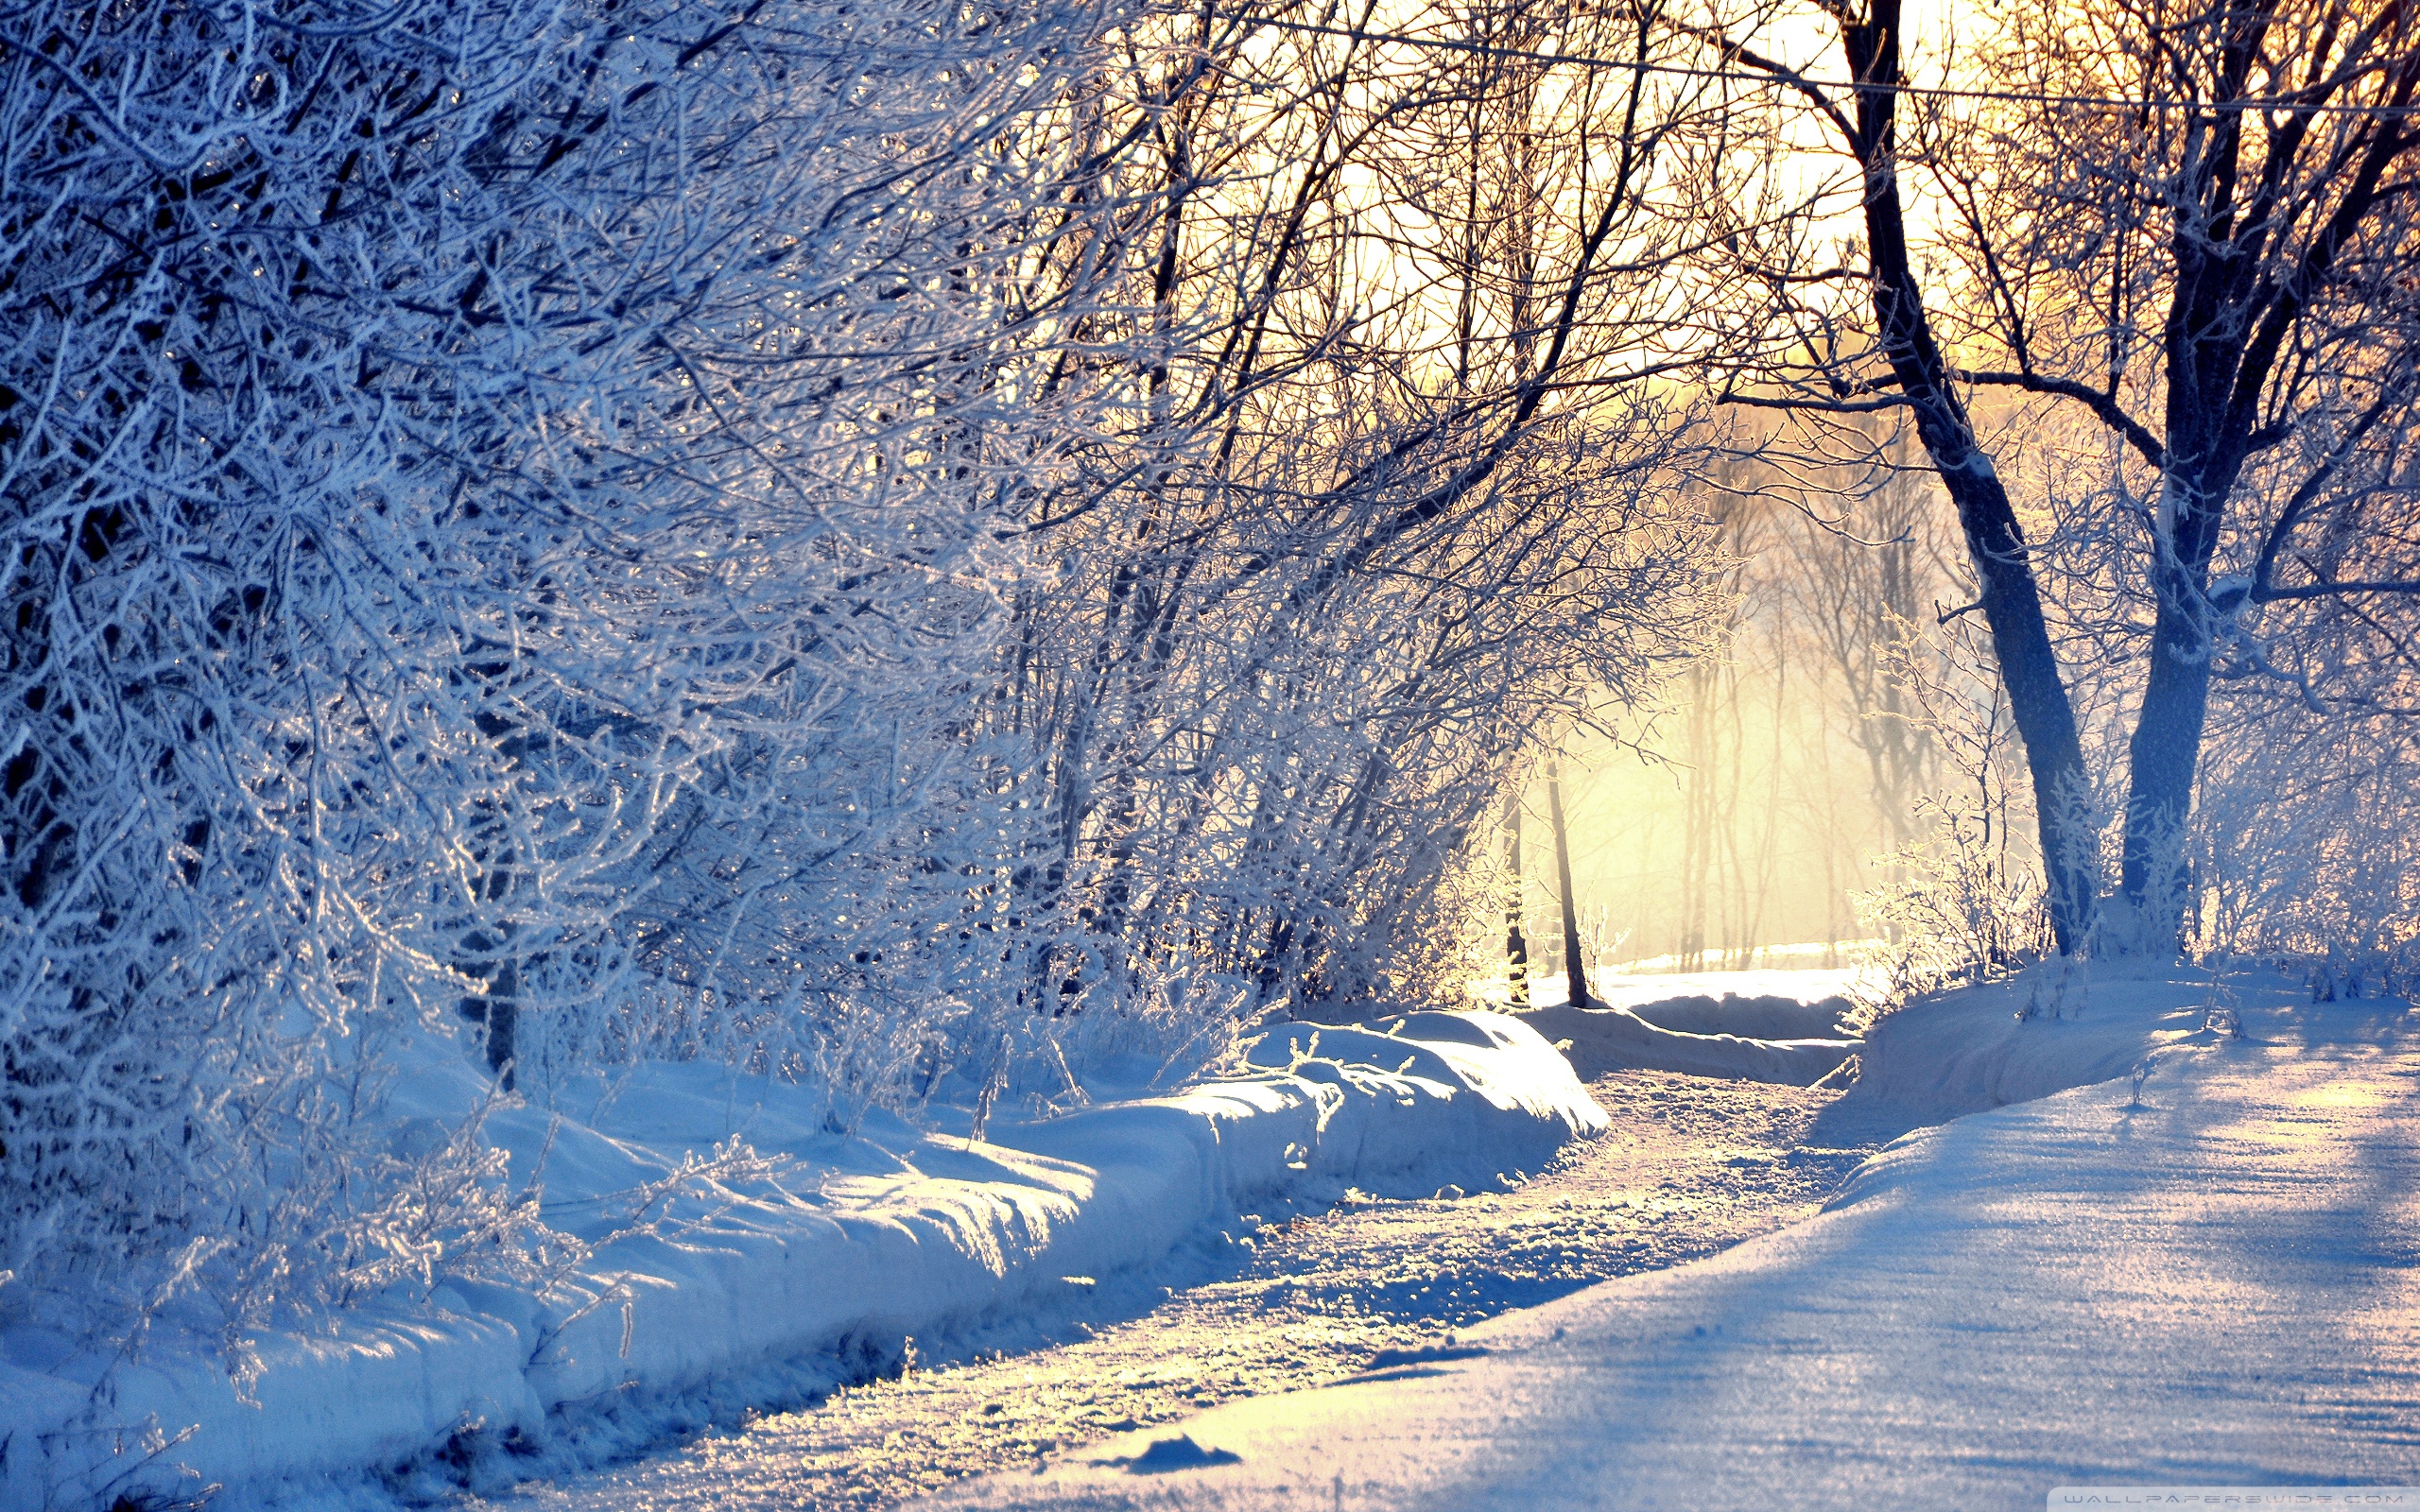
1688, 1167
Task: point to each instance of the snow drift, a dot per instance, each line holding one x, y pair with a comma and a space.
1762, 1017
1607, 1039
812, 1242
2043, 1031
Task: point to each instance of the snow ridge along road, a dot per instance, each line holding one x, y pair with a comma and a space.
2205, 1271
1688, 1167
822, 1257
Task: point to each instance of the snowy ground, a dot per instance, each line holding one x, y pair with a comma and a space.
2204, 1271
1803, 973
1687, 1167
2213, 1281
808, 1262
1767, 1023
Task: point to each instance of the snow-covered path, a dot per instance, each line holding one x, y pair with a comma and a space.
1689, 1167
2216, 1281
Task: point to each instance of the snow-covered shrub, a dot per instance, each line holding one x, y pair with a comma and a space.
1285, 785
2305, 844
1966, 900
1173, 1019
496, 497
1953, 908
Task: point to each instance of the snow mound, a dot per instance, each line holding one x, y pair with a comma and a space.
1506, 1089
2053, 1026
833, 1243
2204, 1277
1765, 1017
1799, 983
1601, 1040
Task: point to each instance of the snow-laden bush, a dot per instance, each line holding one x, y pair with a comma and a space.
499, 499
1965, 899
2305, 844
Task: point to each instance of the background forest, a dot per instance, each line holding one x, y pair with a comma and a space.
918, 548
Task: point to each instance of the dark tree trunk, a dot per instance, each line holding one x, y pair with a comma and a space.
1516, 946
1575, 970
2162, 759
498, 1006
2011, 601
2166, 751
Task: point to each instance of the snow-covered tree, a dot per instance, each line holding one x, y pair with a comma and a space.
800, 531
2192, 223
493, 492
1396, 506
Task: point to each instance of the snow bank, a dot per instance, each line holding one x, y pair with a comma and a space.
1608, 1039
1786, 1028
1762, 1017
857, 1240
1523, 1099
1799, 983
2048, 1029
2206, 1279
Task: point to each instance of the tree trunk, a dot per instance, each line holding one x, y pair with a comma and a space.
2166, 743
2011, 602
497, 1005
2163, 754
1516, 946
1575, 971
